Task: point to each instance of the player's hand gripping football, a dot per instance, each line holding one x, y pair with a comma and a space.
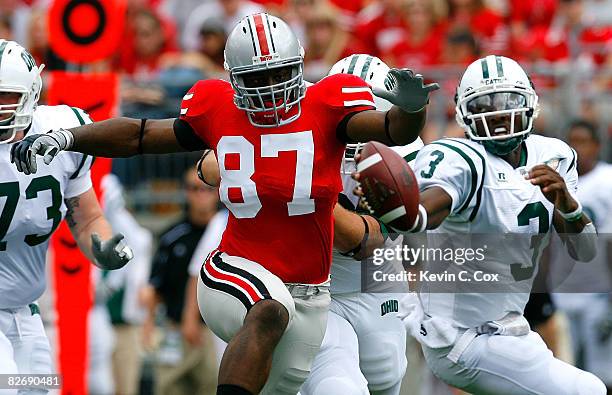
553, 187
23, 153
111, 254
406, 90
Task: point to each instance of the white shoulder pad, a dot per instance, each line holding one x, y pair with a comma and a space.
558, 155
457, 166
54, 117
409, 151
76, 164
551, 151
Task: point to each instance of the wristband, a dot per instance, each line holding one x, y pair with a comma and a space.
423, 216
141, 135
574, 216
387, 131
199, 168
68, 137
366, 235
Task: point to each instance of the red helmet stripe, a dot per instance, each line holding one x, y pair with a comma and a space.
261, 34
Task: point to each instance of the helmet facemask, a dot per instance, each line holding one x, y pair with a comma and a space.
351, 150
270, 94
13, 114
500, 117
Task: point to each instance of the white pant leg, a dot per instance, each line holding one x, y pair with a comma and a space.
381, 337
337, 362
228, 286
504, 365
297, 349
30, 344
220, 347
101, 345
7, 357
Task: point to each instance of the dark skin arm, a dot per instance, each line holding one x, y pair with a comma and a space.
158, 136
555, 190
119, 138
404, 127
349, 231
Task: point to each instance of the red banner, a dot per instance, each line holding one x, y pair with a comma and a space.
82, 31
97, 95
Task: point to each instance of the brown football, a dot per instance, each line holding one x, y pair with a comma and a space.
389, 186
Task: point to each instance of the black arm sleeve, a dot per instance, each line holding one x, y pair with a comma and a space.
186, 136
341, 128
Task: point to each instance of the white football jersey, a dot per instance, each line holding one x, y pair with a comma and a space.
594, 192
346, 271
32, 207
491, 197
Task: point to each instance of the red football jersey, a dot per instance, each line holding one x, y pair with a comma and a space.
280, 184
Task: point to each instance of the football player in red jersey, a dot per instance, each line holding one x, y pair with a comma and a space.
279, 144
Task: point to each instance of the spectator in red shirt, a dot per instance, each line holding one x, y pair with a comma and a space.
460, 49
326, 42
570, 36
142, 51
380, 26
487, 25
422, 38
531, 14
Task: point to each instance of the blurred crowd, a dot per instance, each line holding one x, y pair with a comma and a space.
566, 45
168, 44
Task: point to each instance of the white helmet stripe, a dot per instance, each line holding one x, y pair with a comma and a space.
268, 32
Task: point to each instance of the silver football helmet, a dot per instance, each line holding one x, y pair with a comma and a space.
373, 71
496, 87
266, 62
18, 74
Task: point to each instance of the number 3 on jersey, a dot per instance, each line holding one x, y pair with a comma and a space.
271, 146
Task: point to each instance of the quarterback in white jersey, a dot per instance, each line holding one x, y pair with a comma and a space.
32, 207
363, 350
499, 180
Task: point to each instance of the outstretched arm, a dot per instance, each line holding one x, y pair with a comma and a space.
118, 137
394, 127
436, 203
404, 121
121, 137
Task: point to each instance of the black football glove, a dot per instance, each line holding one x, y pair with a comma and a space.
406, 90
24, 152
111, 254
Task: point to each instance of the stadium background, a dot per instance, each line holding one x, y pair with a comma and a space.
167, 45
